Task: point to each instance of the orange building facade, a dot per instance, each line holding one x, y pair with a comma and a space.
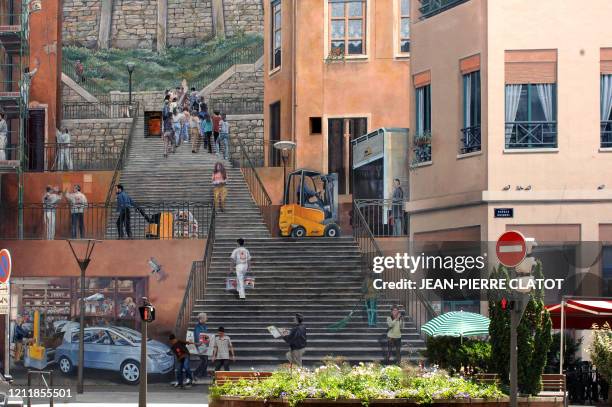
334, 71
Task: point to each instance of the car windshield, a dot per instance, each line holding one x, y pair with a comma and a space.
131, 334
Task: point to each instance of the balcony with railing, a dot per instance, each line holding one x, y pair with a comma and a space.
421, 148
470, 140
430, 8
606, 134
384, 217
78, 156
531, 135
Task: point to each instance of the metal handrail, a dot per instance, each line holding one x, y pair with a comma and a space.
377, 214
89, 85
96, 110
124, 152
417, 306
198, 280
256, 186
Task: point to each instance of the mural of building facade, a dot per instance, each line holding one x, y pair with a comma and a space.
134, 24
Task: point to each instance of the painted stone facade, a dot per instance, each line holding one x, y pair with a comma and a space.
112, 131
80, 25
134, 22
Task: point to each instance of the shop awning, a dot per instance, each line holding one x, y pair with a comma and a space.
582, 314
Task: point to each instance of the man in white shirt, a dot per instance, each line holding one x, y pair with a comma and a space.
241, 258
222, 348
64, 157
50, 200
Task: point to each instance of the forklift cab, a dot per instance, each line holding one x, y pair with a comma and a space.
310, 205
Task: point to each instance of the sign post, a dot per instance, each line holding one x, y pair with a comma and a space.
147, 314
6, 266
511, 249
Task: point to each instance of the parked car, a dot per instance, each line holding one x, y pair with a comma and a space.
113, 348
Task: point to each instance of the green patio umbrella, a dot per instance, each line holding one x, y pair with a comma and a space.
457, 324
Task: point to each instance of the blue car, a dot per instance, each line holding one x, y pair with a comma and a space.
113, 348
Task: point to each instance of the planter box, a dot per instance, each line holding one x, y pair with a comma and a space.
523, 402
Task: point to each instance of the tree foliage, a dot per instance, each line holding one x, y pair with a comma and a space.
533, 335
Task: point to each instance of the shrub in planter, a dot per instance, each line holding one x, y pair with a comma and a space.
601, 354
470, 355
365, 382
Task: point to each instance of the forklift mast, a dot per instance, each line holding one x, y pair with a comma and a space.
331, 192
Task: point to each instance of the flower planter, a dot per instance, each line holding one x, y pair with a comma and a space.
523, 402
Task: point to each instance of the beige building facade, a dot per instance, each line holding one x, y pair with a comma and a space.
511, 109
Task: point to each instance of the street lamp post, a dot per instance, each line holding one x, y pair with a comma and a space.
285, 148
130, 68
83, 261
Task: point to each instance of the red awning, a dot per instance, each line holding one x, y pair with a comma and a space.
582, 314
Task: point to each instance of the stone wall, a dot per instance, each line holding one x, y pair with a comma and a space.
134, 24
69, 95
249, 129
80, 25
245, 83
243, 16
98, 130
147, 101
189, 22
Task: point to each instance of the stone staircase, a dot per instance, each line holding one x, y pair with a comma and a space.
184, 177
317, 277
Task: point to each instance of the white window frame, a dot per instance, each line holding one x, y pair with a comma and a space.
273, 30
397, 27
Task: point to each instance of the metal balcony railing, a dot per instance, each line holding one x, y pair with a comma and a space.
80, 156
470, 140
381, 216
87, 110
156, 220
432, 7
606, 134
526, 135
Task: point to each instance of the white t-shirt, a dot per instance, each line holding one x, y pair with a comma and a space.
241, 255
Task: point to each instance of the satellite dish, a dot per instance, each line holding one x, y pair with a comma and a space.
284, 145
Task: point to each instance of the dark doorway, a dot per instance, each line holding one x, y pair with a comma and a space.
35, 140
339, 153
274, 158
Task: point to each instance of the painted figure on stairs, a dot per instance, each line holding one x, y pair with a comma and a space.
241, 258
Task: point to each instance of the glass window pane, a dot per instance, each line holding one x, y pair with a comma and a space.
337, 29
277, 20
355, 47
337, 9
537, 112
277, 39
405, 46
355, 9
405, 7
522, 114
355, 28
405, 28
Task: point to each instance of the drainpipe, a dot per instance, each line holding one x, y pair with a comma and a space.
294, 75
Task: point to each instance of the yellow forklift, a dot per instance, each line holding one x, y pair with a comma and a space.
310, 205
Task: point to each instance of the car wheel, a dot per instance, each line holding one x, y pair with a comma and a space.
298, 232
65, 365
130, 371
332, 230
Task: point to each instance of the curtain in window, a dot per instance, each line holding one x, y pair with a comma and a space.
468, 101
420, 110
606, 97
513, 97
545, 93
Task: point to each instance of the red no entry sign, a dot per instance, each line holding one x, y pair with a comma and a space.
5, 266
511, 248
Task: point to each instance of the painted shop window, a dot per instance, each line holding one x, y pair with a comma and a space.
347, 27
275, 60
404, 26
